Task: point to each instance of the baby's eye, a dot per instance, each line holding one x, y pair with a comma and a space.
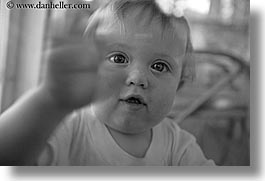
118, 58
160, 67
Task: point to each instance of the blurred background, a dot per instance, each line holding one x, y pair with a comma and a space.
214, 106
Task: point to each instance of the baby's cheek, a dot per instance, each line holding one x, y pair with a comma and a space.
110, 81
163, 102
168, 101
114, 78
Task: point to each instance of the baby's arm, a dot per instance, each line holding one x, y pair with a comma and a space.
186, 151
193, 156
69, 84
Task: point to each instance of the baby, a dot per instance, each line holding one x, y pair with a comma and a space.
106, 97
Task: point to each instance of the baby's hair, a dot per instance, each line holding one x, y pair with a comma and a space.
122, 8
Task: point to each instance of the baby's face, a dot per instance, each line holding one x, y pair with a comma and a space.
140, 73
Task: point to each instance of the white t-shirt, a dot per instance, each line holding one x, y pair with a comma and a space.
83, 140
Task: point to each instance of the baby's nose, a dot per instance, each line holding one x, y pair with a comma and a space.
137, 77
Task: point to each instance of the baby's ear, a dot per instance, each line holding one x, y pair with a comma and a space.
188, 70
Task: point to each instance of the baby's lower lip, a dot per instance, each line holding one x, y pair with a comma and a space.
132, 106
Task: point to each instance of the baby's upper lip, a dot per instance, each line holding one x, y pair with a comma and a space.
136, 96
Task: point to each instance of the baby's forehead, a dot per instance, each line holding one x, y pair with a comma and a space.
144, 20
131, 29
143, 27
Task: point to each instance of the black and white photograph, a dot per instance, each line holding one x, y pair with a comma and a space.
125, 83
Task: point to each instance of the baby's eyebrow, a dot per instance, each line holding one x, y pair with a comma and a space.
162, 55
167, 57
120, 46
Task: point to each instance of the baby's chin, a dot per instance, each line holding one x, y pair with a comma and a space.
126, 130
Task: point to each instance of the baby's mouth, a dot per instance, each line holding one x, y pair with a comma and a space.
134, 100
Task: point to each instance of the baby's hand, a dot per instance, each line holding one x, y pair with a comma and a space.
71, 74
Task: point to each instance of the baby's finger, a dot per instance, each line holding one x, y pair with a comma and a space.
63, 31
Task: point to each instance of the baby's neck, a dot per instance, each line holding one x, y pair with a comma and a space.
134, 144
